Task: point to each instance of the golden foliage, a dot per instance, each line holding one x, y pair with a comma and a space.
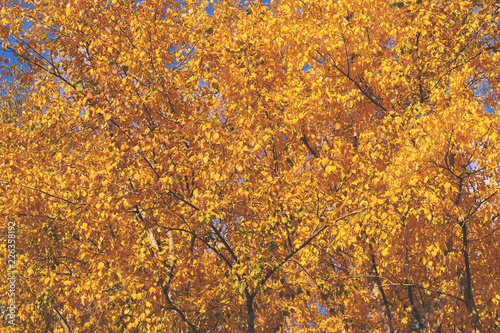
313, 166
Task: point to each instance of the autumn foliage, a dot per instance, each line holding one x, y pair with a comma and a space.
283, 166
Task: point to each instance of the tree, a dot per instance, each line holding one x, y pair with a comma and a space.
222, 167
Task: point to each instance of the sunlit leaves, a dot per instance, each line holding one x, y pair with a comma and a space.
265, 167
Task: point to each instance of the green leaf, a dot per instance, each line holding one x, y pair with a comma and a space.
398, 4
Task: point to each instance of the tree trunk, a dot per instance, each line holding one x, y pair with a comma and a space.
466, 284
382, 305
250, 312
382, 308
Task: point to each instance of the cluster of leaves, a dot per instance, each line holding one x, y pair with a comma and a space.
314, 166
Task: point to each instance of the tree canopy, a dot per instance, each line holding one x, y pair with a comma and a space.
282, 166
